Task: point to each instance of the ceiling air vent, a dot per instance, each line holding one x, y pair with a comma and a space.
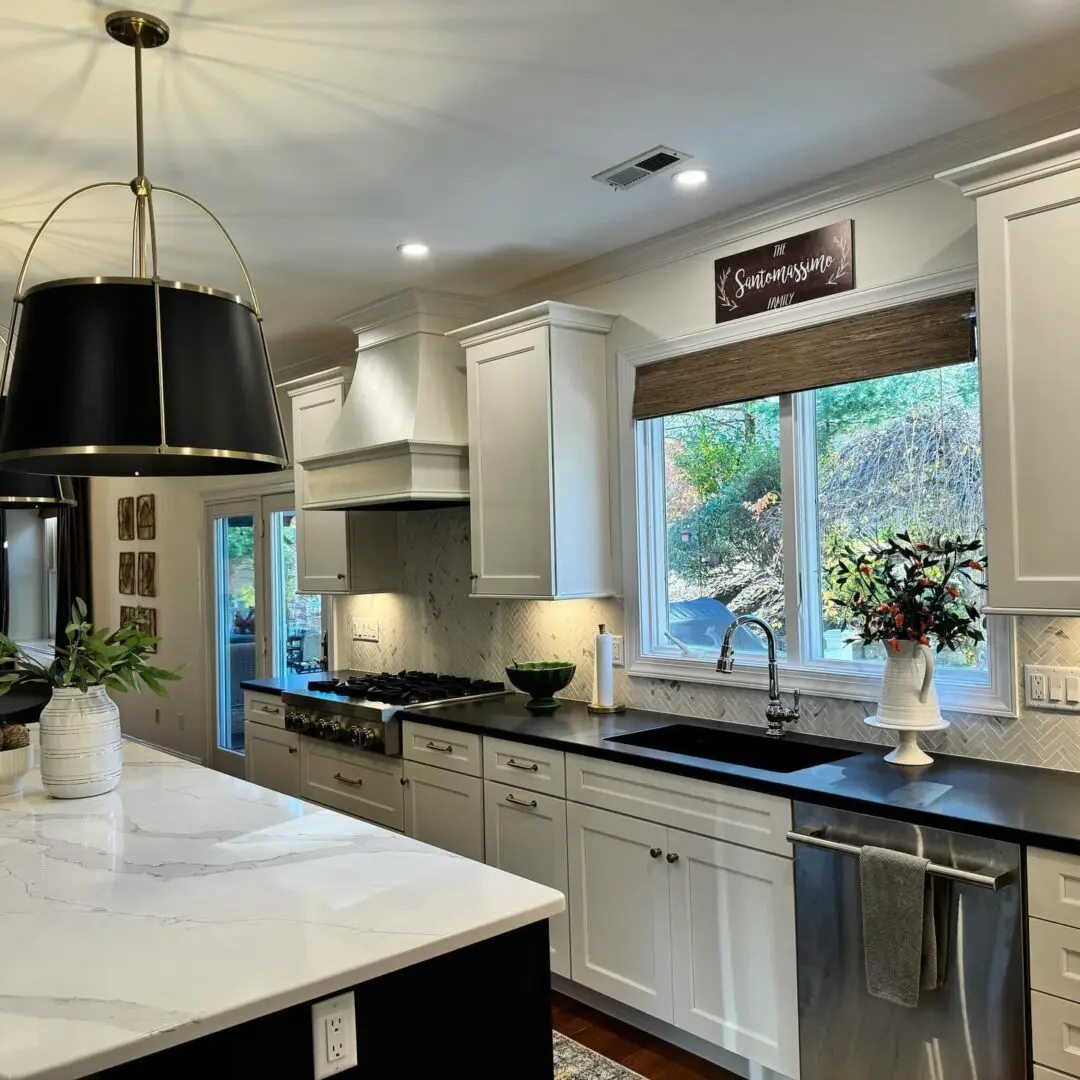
640, 167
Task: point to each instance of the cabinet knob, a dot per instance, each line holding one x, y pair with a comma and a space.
473, 577
341, 577
404, 781
656, 852
672, 856
292, 749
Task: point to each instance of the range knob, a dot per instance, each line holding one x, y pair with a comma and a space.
366, 737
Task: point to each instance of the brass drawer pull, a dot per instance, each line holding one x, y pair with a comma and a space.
524, 768
270, 708
346, 780
531, 804
442, 749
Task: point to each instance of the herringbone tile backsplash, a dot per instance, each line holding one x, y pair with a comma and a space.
433, 625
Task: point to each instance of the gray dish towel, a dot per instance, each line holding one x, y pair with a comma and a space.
905, 914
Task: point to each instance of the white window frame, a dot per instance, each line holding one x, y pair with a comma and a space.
644, 529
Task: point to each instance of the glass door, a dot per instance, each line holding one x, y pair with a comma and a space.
238, 649
262, 626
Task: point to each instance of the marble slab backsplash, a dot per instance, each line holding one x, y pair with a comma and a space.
433, 625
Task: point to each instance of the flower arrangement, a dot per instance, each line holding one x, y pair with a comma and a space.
116, 659
908, 590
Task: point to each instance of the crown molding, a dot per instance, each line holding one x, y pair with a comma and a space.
893, 172
1032, 162
546, 313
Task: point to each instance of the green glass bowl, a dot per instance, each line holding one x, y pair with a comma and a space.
542, 680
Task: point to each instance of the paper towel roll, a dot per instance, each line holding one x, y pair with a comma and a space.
603, 670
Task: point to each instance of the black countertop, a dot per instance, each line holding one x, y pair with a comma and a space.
291, 683
1015, 803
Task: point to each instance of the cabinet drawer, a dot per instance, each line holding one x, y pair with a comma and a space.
1053, 886
531, 767
1054, 958
264, 709
698, 806
1042, 1073
367, 786
458, 751
1055, 1032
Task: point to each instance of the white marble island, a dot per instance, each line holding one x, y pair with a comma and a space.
185, 903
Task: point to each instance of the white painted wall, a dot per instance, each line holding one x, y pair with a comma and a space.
26, 575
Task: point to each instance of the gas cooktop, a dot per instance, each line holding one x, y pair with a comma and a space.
406, 687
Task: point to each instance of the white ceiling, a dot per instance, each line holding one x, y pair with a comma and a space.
325, 132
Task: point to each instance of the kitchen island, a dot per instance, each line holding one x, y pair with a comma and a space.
186, 920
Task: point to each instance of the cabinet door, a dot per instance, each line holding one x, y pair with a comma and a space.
733, 949
322, 539
1029, 323
445, 809
272, 758
525, 834
510, 466
620, 926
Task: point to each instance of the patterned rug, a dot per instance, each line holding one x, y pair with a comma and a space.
576, 1062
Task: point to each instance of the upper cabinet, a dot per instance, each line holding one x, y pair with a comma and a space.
337, 551
538, 453
1028, 210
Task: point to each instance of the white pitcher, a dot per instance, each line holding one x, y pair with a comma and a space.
907, 698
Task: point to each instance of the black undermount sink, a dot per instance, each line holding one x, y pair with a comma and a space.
716, 744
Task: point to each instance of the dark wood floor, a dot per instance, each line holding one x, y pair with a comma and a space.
634, 1049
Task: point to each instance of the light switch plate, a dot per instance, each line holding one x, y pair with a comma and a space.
364, 629
1051, 688
618, 658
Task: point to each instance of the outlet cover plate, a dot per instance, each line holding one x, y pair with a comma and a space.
1049, 688
618, 657
337, 1015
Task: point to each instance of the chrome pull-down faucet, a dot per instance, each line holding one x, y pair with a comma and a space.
776, 715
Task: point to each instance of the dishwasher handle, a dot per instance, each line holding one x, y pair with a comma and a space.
992, 879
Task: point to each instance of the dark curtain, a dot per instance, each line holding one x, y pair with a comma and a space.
5, 587
73, 557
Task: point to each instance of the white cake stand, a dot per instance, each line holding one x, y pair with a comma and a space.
908, 752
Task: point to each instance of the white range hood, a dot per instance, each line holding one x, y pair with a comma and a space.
401, 439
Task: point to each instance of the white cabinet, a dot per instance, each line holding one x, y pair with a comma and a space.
1028, 211
525, 834
620, 908
367, 786
733, 949
538, 453
272, 758
694, 931
445, 809
337, 551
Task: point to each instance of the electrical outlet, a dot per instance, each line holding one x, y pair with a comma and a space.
364, 629
617, 657
180, 721
157, 715
1052, 688
333, 1035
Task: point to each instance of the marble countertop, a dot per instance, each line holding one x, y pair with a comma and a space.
187, 901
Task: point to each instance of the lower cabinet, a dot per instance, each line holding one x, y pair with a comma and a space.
694, 931
525, 835
367, 786
272, 758
445, 809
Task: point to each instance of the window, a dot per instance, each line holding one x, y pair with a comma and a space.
742, 507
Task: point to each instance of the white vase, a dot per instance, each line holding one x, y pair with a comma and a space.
14, 765
81, 747
907, 698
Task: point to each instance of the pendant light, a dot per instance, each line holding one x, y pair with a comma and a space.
122, 376
31, 491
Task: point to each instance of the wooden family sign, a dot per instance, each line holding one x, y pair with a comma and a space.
804, 267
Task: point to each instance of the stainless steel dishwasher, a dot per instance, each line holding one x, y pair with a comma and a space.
974, 1027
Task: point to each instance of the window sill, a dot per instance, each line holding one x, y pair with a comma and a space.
819, 680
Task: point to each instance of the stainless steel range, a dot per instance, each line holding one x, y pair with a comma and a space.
362, 710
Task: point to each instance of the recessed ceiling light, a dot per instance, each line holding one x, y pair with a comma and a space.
691, 178
414, 249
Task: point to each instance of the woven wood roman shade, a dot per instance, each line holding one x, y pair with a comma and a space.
911, 337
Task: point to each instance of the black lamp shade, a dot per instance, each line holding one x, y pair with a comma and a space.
31, 491
84, 397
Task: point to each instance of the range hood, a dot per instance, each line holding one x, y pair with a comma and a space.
401, 439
